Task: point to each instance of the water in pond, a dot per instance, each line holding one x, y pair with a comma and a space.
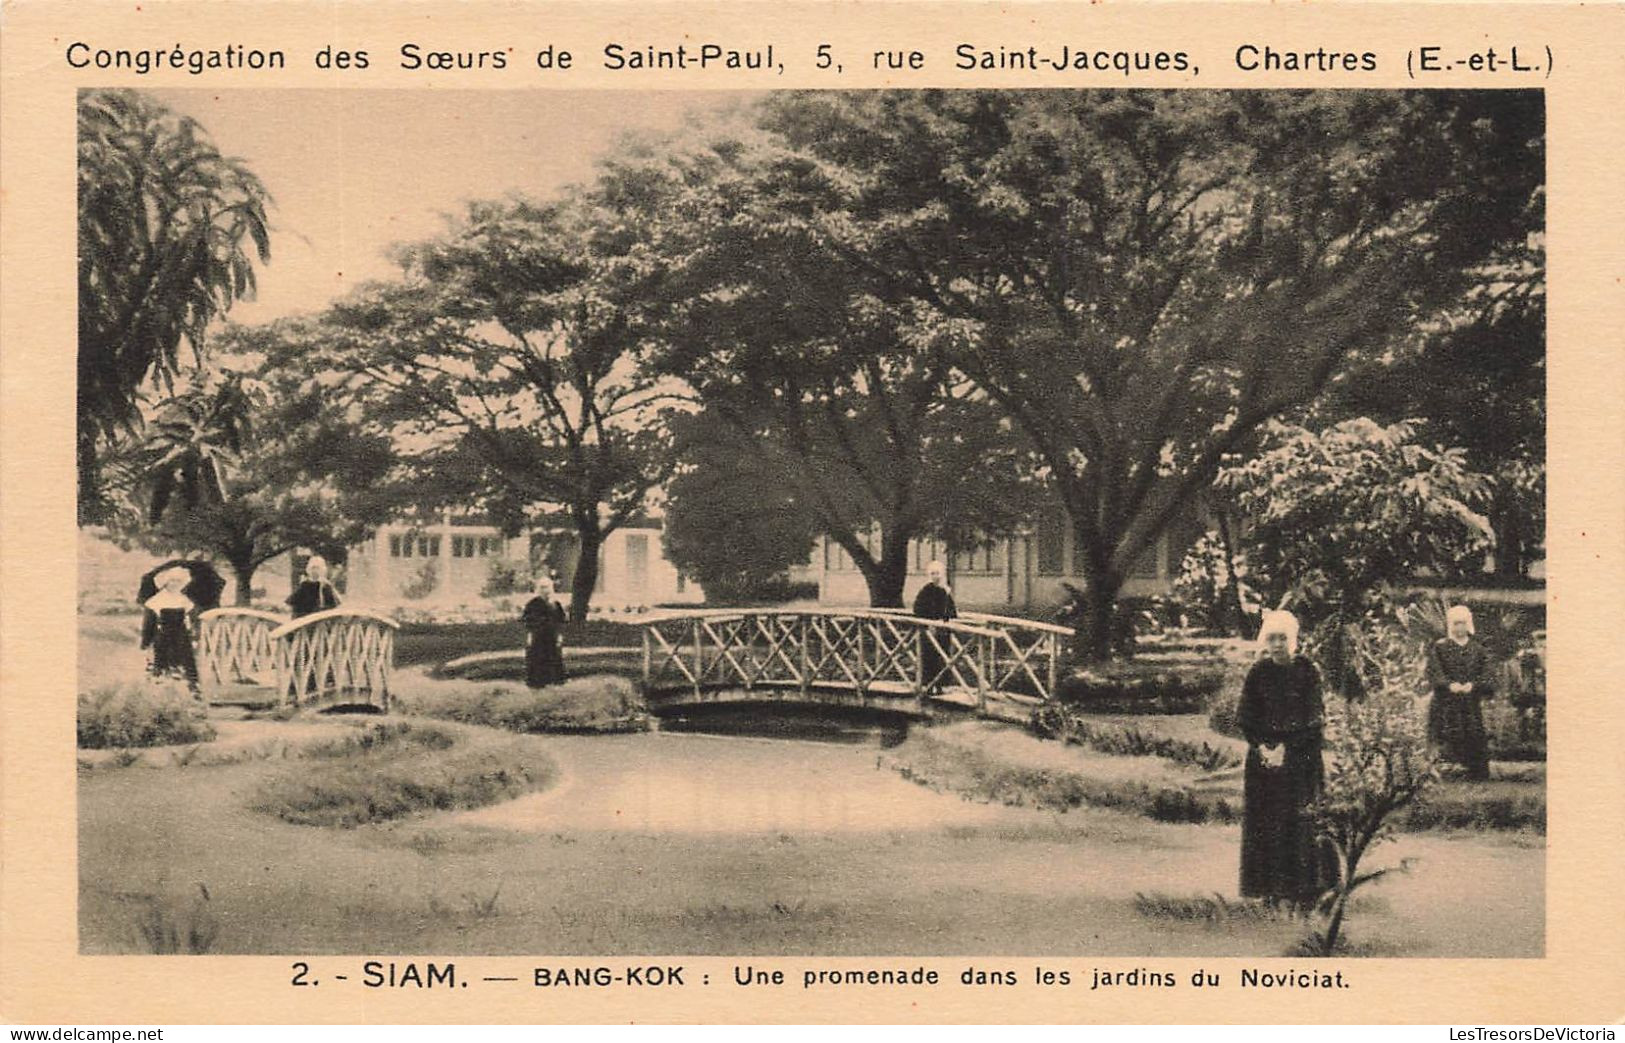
811, 723
698, 783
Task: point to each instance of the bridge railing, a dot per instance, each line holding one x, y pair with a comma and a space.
868, 651
1028, 661
341, 652
235, 647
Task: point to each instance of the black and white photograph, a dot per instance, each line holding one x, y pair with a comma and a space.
887, 523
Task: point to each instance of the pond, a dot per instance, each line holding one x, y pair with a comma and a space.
730, 773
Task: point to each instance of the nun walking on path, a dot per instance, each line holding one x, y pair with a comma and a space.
935, 602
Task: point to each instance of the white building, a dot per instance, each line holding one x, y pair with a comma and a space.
1011, 574
454, 562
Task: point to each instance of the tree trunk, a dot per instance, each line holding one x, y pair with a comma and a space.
1097, 623
1509, 563
890, 573
586, 573
1233, 606
243, 572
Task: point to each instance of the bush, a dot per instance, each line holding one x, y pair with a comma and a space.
1221, 714
1059, 722
423, 582
774, 591
1203, 585
430, 643
976, 774
148, 713
1141, 687
593, 704
393, 770
504, 577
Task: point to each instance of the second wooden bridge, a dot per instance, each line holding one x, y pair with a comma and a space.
998, 666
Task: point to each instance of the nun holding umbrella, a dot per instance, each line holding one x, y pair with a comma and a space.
171, 597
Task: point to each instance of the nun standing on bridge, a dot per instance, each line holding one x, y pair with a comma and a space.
544, 637
934, 602
314, 593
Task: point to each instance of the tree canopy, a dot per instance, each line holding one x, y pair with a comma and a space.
1139, 280
168, 232
248, 465
506, 356
878, 437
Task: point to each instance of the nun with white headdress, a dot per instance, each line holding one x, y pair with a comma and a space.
1281, 716
314, 593
544, 636
166, 629
1460, 671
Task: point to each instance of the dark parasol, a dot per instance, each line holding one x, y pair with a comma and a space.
203, 589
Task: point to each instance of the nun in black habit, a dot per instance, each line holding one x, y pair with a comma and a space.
1281, 716
315, 593
544, 637
1461, 673
934, 602
166, 628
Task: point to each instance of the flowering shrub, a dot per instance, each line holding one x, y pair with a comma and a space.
1377, 763
1204, 581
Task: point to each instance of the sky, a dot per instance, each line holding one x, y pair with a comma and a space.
353, 172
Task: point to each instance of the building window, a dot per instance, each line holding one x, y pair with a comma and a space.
836, 559
1051, 540
395, 546
980, 558
475, 546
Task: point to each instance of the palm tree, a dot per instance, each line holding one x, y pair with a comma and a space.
164, 226
193, 441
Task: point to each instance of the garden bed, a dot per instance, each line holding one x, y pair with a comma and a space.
1157, 767
400, 768
595, 704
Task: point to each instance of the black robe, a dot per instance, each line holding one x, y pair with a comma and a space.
1456, 719
312, 596
1282, 854
934, 602
544, 653
168, 632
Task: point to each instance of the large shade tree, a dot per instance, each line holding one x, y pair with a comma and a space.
1140, 280
871, 432
506, 353
168, 232
732, 520
244, 467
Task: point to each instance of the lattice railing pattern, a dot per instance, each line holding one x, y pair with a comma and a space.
235, 647
339, 654
870, 652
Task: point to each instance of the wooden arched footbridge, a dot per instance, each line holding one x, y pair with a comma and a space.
995, 666
885, 659
341, 656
